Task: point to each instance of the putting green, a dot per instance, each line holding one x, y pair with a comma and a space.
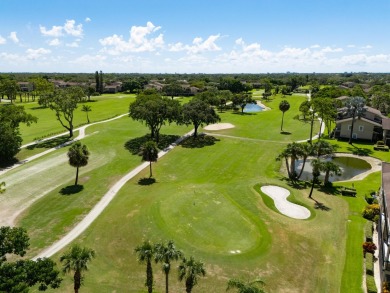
200, 219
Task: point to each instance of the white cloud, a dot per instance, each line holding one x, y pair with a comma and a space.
331, 50
198, 45
2, 40
351, 46
138, 41
367, 47
69, 28
87, 19
9, 57
56, 31
35, 54
54, 42
13, 37
73, 45
316, 46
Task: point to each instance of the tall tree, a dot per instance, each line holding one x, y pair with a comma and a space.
10, 139
150, 154
245, 287
190, 270
355, 108
145, 253
78, 155
64, 102
86, 109
307, 150
316, 166
283, 106
304, 108
242, 99
326, 110
154, 111
165, 254
101, 83
76, 260
173, 89
44, 89
21, 275
97, 81
89, 91
198, 113
330, 169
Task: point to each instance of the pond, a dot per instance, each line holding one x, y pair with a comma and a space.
250, 108
349, 166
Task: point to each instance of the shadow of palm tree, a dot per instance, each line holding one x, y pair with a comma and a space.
51, 143
296, 184
320, 206
146, 181
134, 145
71, 189
285, 132
330, 189
199, 142
359, 151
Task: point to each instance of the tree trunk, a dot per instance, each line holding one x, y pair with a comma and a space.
77, 281
303, 167
195, 131
288, 168
149, 277
77, 176
150, 169
350, 135
312, 187
326, 178
281, 126
70, 131
87, 118
166, 283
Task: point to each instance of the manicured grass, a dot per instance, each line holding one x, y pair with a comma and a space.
205, 199
103, 107
266, 124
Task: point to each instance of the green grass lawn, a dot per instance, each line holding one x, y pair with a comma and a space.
206, 200
102, 107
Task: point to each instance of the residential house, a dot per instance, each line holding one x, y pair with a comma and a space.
372, 125
25, 86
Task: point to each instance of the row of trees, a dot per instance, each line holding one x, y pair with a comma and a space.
155, 111
189, 269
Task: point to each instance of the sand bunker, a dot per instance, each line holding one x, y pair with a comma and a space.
279, 195
219, 126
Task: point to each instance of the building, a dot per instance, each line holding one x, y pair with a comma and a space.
25, 86
371, 126
383, 224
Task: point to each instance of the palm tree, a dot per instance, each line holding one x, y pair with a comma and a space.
283, 106
190, 270
248, 287
355, 108
150, 153
78, 157
323, 148
293, 151
316, 165
86, 109
76, 259
165, 254
145, 253
330, 169
307, 150
285, 155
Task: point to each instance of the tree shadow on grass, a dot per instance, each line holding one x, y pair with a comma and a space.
8, 163
71, 189
147, 181
296, 184
134, 145
245, 113
50, 143
320, 206
360, 151
285, 132
199, 142
330, 189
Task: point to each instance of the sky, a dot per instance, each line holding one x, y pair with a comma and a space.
195, 36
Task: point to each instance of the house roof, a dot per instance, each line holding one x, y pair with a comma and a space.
361, 118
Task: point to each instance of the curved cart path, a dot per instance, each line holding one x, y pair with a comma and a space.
101, 205
81, 135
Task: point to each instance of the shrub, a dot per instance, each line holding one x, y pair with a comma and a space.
369, 199
368, 247
371, 211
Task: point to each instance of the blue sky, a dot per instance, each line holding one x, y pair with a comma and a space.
194, 36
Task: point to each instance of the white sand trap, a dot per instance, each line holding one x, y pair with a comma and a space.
219, 126
279, 195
